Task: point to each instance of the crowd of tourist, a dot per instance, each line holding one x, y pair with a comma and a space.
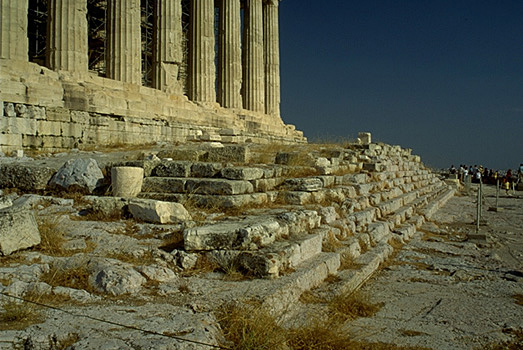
475, 174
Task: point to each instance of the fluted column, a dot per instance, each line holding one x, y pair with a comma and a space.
124, 52
167, 50
230, 55
201, 52
253, 90
272, 58
67, 35
13, 30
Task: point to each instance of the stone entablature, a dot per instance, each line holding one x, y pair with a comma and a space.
241, 93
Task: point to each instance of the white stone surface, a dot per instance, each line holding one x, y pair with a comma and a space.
150, 210
81, 173
126, 181
18, 230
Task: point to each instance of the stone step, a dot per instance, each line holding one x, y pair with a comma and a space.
348, 281
286, 290
251, 233
438, 202
205, 186
278, 258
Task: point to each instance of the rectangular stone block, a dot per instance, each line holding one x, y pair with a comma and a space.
218, 186
52, 142
32, 141
172, 169
58, 114
12, 125
80, 117
163, 184
11, 140
48, 128
72, 129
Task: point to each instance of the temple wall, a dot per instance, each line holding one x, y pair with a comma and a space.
52, 111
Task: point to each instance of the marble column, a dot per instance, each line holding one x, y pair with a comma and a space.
272, 58
253, 89
167, 49
123, 50
14, 43
67, 35
230, 55
202, 69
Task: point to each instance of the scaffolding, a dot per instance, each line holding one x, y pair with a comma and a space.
147, 31
96, 22
37, 31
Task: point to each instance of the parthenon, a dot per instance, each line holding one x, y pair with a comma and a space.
210, 69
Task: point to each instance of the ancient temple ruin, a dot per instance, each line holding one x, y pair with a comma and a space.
78, 73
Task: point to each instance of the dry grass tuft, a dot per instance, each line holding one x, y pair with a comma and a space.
52, 237
77, 278
331, 243
516, 343
16, 315
352, 306
347, 262
319, 336
249, 327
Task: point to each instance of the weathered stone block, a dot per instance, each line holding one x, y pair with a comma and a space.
51, 128
11, 140
25, 177
248, 234
79, 174
164, 184
150, 210
172, 169
229, 153
350, 179
206, 169
307, 184
242, 173
18, 230
218, 186
58, 114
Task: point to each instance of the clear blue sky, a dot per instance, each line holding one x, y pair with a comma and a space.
443, 77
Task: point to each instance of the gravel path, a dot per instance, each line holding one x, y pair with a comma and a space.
450, 287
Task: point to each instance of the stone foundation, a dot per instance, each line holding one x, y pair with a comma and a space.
52, 111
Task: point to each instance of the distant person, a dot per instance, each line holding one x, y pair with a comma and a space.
478, 176
452, 169
506, 185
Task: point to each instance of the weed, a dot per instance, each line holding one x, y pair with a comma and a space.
184, 288
351, 306
308, 297
516, 343
331, 243
52, 236
347, 262
319, 336
17, 315
77, 278
203, 265
249, 326
229, 267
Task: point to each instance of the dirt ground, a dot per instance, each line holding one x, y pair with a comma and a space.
452, 287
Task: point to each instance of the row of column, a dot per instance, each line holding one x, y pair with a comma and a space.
247, 73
